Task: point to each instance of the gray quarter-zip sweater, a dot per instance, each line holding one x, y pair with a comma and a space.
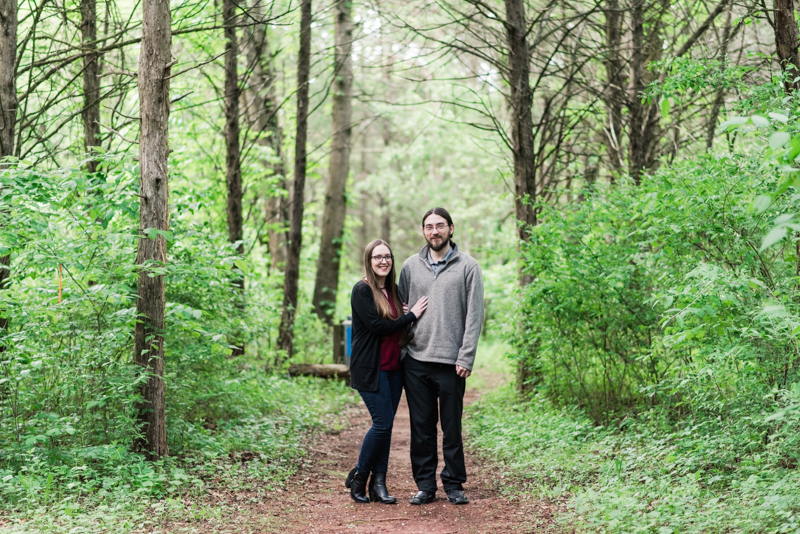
449, 329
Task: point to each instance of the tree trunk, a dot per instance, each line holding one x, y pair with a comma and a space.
8, 108
786, 41
644, 129
522, 120
615, 92
292, 273
263, 111
233, 171
719, 97
327, 282
91, 83
154, 62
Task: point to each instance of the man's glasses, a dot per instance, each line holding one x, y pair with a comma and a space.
440, 227
379, 259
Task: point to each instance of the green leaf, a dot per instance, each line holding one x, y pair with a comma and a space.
735, 121
775, 235
761, 203
794, 147
152, 233
665, 107
759, 121
778, 139
167, 235
242, 265
778, 116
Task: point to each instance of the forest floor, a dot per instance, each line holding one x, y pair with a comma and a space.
315, 500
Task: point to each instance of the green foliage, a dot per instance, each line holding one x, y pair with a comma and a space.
645, 475
68, 387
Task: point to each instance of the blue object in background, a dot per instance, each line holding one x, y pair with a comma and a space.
348, 339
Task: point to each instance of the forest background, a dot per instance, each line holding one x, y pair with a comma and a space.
188, 186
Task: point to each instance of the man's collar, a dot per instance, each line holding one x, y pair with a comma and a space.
446, 256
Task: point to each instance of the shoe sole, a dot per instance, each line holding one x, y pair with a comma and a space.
426, 501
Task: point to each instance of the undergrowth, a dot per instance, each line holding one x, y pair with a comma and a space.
644, 474
111, 489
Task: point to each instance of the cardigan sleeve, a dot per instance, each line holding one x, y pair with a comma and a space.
364, 306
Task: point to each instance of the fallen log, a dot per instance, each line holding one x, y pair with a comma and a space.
326, 370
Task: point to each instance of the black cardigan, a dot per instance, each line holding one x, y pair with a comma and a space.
369, 329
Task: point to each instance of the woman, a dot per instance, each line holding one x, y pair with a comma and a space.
378, 334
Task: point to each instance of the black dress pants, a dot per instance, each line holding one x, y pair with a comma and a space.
433, 389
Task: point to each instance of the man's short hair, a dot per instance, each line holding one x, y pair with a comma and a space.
441, 212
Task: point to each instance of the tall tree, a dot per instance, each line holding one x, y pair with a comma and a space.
8, 107
233, 169
615, 92
91, 82
719, 96
786, 41
262, 110
153, 81
520, 102
327, 282
292, 273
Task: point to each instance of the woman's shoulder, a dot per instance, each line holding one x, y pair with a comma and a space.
362, 287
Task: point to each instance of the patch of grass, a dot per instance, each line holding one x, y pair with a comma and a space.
646, 476
111, 489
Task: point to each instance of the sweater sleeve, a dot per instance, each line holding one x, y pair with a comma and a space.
474, 319
364, 306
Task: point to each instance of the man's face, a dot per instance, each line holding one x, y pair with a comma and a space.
437, 232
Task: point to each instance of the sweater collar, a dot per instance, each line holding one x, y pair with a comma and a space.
453, 254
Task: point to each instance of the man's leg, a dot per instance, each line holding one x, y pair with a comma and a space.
423, 414
451, 403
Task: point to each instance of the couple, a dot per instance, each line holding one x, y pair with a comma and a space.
437, 355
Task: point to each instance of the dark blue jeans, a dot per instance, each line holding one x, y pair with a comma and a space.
382, 406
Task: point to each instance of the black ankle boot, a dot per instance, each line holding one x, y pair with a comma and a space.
378, 491
357, 482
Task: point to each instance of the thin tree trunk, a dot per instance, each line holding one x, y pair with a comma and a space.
636, 145
292, 273
327, 282
522, 120
91, 82
154, 69
615, 92
233, 171
786, 41
263, 109
719, 97
644, 130
8, 109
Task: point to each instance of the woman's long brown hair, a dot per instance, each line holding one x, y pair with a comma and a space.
390, 284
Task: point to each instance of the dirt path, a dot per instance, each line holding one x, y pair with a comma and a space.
316, 501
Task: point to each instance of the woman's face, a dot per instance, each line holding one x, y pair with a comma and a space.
381, 261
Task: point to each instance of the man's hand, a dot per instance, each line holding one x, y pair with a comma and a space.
463, 372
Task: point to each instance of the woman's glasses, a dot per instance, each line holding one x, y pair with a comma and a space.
380, 259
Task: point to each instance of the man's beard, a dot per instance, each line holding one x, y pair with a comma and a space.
440, 246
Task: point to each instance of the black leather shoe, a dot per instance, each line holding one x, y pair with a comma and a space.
358, 485
423, 497
377, 489
457, 497
349, 478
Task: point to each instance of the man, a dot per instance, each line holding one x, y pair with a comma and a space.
439, 356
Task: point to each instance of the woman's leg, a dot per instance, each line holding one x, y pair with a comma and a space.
394, 381
379, 436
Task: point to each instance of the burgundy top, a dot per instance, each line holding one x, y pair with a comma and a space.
390, 346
